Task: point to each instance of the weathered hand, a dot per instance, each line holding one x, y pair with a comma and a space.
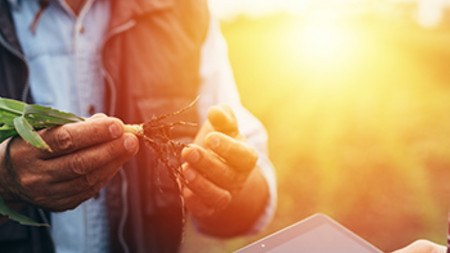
218, 166
422, 246
85, 156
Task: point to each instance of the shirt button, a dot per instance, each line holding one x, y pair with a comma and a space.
91, 109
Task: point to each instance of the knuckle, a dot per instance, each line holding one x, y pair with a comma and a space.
64, 139
90, 182
112, 152
223, 200
29, 184
251, 159
78, 164
26, 182
210, 195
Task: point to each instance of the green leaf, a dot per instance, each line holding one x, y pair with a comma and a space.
10, 109
12, 106
13, 215
26, 131
6, 133
41, 116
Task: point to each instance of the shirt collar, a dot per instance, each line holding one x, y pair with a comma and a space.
14, 3
17, 3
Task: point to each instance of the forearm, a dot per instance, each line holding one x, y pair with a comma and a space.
241, 214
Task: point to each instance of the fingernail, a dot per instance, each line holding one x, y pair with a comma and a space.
193, 156
213, 141
130, 144
114, 130
189, 175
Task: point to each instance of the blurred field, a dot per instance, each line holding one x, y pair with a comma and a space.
359, 130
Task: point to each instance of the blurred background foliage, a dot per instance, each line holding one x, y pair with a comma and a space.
357, 107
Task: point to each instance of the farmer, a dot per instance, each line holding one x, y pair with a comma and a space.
129, 59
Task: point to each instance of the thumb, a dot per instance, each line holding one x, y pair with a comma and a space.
222, 119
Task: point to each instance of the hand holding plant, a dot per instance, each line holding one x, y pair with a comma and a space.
71, 158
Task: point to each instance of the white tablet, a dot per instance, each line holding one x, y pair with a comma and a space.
316, 234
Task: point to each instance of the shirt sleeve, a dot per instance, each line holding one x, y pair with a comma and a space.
218, 87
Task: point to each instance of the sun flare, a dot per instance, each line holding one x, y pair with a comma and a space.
325, 47
323, 42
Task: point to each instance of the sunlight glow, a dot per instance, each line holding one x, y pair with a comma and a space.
226, 9
352, 103
324, 46
323, 42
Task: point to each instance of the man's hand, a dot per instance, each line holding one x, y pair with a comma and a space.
225, 192
422, 246
85, 156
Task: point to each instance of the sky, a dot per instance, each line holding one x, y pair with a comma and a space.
429, 12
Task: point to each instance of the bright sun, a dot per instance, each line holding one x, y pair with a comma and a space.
325, 46
323, 42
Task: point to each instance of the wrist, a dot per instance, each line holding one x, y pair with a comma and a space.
241, 214
8, 176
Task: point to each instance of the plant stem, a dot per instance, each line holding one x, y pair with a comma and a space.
136, 129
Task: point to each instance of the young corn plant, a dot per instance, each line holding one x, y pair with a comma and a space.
18, 118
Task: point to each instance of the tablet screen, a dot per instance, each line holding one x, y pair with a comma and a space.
323, 238
315, 234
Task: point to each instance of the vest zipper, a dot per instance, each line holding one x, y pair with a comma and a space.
19, 55
112, 108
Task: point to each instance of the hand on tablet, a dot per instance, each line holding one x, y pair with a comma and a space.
422, 246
